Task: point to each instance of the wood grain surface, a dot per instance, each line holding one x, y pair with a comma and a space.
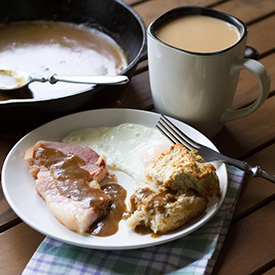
249, 247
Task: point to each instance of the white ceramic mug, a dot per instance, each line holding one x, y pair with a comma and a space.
198, 88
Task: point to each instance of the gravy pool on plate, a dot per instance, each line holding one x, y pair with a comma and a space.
44, 47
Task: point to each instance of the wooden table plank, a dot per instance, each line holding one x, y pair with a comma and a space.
247, 10
263, 41
249, 244
17, 246
271, 271
256, 191
241, 137
254, 10
7, 216
150, 10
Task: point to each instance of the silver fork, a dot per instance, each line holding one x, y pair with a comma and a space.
171, 131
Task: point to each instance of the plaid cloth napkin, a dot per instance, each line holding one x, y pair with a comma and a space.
195, 253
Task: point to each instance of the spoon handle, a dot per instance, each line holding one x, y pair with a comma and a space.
104, 79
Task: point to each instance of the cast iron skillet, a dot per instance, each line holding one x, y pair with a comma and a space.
113, 17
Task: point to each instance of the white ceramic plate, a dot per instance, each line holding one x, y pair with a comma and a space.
18, 184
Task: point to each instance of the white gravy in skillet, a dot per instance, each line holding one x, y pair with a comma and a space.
43, 48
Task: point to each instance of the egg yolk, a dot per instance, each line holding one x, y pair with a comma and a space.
151, 153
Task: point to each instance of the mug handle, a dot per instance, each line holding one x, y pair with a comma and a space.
251, 53
264, 81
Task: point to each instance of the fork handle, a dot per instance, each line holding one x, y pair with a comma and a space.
256, 171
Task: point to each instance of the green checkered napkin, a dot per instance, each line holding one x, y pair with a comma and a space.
195, 253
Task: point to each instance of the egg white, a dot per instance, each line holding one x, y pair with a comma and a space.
127, 147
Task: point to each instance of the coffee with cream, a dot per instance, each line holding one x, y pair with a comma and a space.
197, 84
199, 33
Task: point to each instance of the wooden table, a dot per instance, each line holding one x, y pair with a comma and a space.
249, 247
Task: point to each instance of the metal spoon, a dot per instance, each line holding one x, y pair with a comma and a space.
19, 79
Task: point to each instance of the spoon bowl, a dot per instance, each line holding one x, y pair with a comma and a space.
12, 80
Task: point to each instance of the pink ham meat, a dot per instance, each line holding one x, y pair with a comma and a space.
67, 178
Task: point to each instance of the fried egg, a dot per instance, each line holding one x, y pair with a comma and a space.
127, 147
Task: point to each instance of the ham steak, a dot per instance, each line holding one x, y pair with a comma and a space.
67, 178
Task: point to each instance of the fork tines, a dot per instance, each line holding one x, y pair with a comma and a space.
172, 132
